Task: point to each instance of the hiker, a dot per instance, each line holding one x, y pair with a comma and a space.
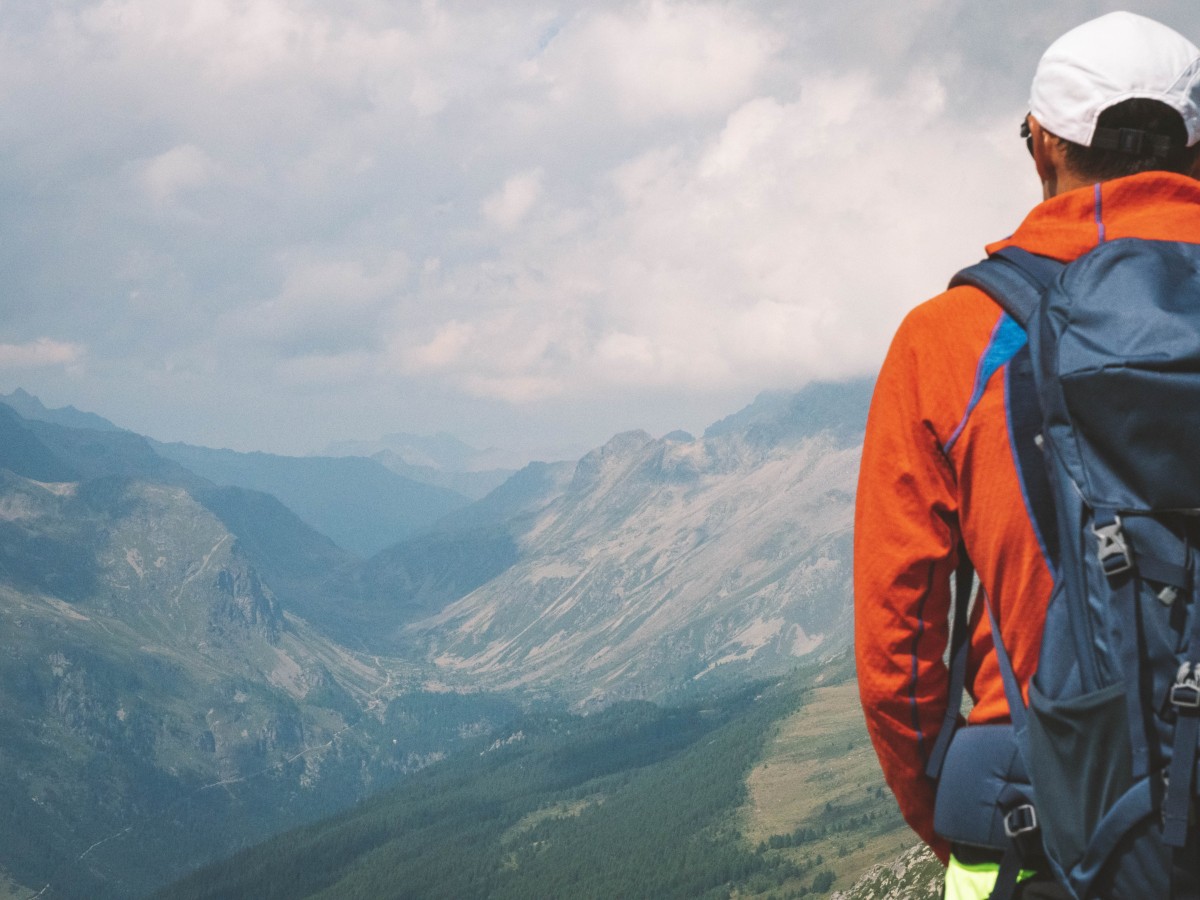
1113, 129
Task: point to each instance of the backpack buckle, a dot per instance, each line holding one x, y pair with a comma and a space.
1113, 552
1020, 820
1185, 692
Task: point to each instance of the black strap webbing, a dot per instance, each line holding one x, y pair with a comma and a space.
960, 645
1007, 875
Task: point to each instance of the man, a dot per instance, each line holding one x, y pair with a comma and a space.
1113, 130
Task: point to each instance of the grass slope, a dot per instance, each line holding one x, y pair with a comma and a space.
818, 791
10, 890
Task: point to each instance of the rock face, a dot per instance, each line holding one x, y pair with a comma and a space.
914, 875
159, 701
670, 562
142, 657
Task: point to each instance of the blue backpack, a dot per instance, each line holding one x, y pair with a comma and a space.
1104, 404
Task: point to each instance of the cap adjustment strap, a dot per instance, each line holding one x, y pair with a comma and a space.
1132, 141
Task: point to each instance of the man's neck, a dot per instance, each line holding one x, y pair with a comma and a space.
1063, 181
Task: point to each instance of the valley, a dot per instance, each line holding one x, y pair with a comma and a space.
190, 666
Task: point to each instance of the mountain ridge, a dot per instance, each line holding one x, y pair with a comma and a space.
667, 561
30, 407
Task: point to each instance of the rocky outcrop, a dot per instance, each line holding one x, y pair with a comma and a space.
243, 603
914, 875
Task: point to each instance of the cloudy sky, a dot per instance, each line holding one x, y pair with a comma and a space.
271, 224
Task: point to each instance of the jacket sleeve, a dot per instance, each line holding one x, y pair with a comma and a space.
905, 541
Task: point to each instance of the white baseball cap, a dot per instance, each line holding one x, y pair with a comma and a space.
1116, 57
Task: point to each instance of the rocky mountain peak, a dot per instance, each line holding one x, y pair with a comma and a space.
610, 462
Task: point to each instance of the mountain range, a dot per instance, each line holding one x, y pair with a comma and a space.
362, 504
666, 562
359, 503
441, 459
443, 452
197, 620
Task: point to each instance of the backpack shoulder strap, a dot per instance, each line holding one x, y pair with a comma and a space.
1014, 278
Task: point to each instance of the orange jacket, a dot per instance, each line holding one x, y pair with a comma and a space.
937, 468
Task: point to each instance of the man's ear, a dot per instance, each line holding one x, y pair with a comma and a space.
1050, 158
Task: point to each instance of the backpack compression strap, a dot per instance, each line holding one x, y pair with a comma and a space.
1014, 278
960, 645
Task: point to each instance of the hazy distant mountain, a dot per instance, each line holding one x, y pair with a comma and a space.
22, 451
30, 407
666, 562
474, 485
359, 503
296, 559
422, 575
94, 454
441, 459
442, 452
774, 416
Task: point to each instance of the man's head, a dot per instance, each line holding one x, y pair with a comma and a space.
1116, 96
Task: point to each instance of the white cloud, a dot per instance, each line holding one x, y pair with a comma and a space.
655, 59
445, 350
182, 168
43, 352
508, 206
747, 130
784, 247
321, 302
608, 203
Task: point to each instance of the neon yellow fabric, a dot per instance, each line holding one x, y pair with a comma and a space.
973, 881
